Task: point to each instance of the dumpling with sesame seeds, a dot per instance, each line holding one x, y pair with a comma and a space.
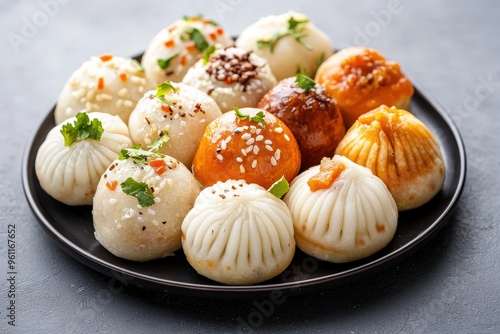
238, 233
232, 76
140, 203
178, 111
107, 84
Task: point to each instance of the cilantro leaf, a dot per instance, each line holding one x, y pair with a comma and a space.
137, 155
139, 190
258, 118
280, 187
294, 30
195, 35
158, 143
81, 129
165, 62
304, 82
207, 53
163, 89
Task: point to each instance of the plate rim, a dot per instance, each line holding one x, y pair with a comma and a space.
316, 283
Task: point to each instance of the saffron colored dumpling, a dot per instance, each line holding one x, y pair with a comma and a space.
238, 234
287, 54
255, 146
107, 84
350, 216
177, 47
70, 174
361, 79
233, 77
182, 114
400, 150
149, 228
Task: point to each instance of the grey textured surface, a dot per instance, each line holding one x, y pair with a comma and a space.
451, 286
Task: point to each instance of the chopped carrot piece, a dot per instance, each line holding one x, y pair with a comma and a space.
220, 31
183, 60
169, 43
166, 108
329, 171
100, 83
123, 77
213, 36
191, 47
106, 57
159, 166
112, 185
161, 170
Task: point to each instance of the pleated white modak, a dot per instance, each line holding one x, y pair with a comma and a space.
238, 234
352, 218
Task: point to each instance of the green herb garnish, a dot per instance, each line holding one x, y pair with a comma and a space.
280, 187
138, 65
138, 155
320, 60
294, 30
163, 89
206, 54
196, 36
158, 143
165, 62
305, 82
139, 190
258, 118
81, 129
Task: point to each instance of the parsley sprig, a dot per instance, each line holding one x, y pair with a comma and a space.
139, 190
164, 63
295, 30
196, 36
304, 82
164, 89
82, 129
258, 117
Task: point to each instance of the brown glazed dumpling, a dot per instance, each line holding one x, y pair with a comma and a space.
400, 150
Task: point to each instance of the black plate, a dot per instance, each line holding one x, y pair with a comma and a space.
72, 229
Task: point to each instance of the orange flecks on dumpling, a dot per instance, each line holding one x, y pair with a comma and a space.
361, 79
400, 150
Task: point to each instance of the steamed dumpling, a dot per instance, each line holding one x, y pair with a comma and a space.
287, 54
107, 84
177, 47
70, 174
400, 150
341, 211
183, 114
238, 233
140, 203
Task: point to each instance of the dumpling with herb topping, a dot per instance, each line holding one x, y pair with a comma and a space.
140, 203
107, 84
177, 47
238, 233
289, 42
177, 112
75, 153
232, 77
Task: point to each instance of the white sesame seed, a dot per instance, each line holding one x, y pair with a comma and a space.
249, 149
268, 142
91, 94
273, 161
245, 127
253, 128
277, 154
228, 139
202, 120
140, 219
259, 138
250, 141
278, 130
102, 97
256, 149
243, 152
269, 148
223, 145
170, 182
220, 157
155, 222
254, 163
286, 137
112, 201
183, 123
242, 169
157, 199
151, 212
119, 103
128, 103
122, 92
246, 136
258, 131
239, 159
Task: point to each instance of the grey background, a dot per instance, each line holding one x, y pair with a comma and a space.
450, 286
